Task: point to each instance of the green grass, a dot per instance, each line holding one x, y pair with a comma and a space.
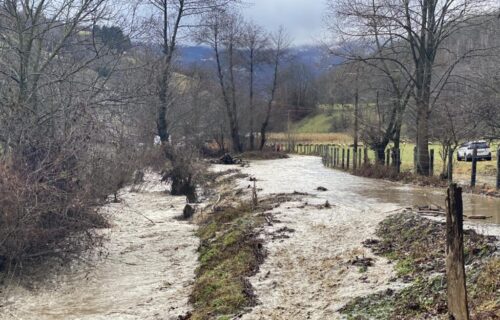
321, 123
228, 254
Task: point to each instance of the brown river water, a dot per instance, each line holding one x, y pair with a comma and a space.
305, 174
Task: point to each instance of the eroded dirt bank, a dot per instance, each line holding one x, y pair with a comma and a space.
145, 272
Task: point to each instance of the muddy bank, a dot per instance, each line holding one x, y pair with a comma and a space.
146, 270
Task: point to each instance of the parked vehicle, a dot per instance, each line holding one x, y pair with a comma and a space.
466, 151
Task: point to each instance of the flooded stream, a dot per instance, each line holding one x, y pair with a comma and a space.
146, 271
309, 273
305, 174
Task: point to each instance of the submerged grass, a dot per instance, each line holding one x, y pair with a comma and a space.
416, 247
229, 253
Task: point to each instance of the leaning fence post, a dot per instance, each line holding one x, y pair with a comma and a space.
431, 164
474, 168
455, 268
498, 168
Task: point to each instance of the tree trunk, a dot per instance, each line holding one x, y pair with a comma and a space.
252, 137
380, 152
423, 165
161, 121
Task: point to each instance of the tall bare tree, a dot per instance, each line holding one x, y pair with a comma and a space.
280, 43
416, 29
254, 42
223, 32
174, 16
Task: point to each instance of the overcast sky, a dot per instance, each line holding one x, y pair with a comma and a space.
303, 19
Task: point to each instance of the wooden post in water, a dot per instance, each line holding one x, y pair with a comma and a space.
455, 267
348, 158
431, 166
474, 168
450, 165
343, 158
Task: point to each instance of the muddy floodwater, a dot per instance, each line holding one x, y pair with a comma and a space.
305, 174
309, 274
147, 267
145, 272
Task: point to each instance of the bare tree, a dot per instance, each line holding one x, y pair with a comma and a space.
415, 29
280, 43
223, 33
254, 42
174, 16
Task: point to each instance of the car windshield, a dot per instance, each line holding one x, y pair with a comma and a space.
479, 145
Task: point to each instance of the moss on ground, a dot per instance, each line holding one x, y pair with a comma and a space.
416, 246
229, 254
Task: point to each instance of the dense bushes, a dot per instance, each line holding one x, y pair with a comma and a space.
49, 199
183, 170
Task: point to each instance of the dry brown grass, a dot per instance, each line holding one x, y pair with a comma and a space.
325, 138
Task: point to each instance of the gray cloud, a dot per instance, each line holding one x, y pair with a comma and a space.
303, 19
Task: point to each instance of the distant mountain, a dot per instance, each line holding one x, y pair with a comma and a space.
316, 58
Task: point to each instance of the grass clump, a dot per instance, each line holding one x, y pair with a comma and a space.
229, 254
416, 246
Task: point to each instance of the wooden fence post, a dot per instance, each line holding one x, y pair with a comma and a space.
348, 157
359, 157
415, 160
388, 157
431, 165
455, 268
498, 168
366, 155
474, 168
450, 165
343, 158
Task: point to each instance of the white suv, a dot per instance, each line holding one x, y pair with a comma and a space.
466, 151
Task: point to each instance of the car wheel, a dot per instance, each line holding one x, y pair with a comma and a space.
459, 158
488, 158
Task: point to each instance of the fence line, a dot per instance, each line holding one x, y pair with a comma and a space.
339, 156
